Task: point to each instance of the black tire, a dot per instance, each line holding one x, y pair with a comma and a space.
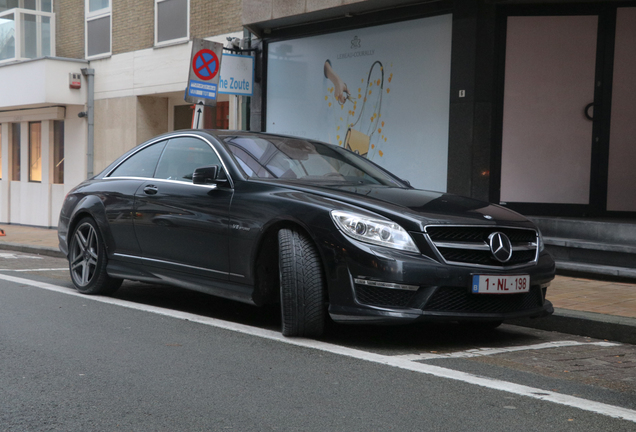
302, 289
87, 260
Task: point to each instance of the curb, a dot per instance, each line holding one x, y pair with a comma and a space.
37, 250
590, 324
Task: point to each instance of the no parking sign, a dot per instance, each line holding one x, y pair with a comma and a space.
205, 67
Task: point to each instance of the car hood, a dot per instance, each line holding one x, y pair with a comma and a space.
418, 206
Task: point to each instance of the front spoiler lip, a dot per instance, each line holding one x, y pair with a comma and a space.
376, 315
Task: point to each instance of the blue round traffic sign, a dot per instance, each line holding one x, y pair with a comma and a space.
205, 64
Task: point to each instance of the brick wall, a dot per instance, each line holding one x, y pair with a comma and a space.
133, 23
263, 10
69, 28
213, 17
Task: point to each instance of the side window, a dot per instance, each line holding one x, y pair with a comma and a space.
182, 156
141, 164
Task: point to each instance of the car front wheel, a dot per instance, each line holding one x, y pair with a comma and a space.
302, 288
87, 260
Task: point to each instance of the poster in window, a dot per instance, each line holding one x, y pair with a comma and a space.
382, 92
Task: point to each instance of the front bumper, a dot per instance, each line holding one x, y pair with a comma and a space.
437, 292
377, 315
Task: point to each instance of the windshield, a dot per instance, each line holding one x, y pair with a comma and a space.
274, 157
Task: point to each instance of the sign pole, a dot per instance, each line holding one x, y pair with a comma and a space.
198, 121
203, 78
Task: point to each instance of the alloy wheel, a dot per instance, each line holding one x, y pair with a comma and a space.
84, 254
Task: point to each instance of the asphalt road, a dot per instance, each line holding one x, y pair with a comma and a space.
163, 359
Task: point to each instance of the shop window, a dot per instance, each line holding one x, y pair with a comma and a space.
35, 151
15, 151
98, 28
58, 151
172, 22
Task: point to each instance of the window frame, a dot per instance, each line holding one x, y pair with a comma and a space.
35, 151
160, 143
172, 151
93, 16
109, 173
15, 145
58, 152
183, 39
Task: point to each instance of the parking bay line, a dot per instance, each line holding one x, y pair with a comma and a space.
395, 361
491, 351
35, 270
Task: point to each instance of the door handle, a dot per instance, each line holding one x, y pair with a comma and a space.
151, 190
586, 111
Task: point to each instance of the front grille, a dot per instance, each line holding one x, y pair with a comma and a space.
452, 299
376, 296
470, 245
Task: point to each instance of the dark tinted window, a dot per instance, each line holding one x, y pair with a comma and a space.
182, 156
141, 164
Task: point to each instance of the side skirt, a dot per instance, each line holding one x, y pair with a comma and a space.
135, 270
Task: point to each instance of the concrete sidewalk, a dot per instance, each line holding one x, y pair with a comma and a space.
594, 308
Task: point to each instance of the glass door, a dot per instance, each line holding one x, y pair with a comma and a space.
568, 135
621, 182
549, 80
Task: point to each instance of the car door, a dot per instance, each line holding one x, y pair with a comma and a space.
181, 226
118, 195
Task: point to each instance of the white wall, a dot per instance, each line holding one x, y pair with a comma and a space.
40, 82
75, 146
146, 72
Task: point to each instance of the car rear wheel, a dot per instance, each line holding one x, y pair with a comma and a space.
87, 260
302, 287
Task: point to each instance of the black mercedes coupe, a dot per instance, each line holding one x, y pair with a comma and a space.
264, 218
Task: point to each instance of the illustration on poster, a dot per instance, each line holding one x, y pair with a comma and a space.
364, 130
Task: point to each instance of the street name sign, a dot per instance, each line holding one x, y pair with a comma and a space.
237, 75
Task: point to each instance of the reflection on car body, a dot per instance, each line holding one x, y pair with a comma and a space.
264, 218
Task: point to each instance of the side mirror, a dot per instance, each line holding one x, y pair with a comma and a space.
206, 175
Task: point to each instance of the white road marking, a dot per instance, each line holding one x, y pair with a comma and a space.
17, 256
491, 351
36, 270
491, 383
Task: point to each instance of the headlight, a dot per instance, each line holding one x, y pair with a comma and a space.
376, 231
541, 242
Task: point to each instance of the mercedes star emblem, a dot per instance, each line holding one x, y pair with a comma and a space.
500, 246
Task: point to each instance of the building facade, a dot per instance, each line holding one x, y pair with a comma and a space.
82, 81
519, 102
